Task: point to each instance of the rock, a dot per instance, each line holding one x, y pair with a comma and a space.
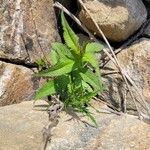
147, 31
27, 29
21, 126
117, 19
16, 84
135, 61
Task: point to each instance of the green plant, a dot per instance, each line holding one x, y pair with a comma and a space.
75, 74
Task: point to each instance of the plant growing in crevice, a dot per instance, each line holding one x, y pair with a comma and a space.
74, 74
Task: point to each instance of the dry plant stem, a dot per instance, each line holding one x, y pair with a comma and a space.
125, 101
116, 62
136, 88
58, 5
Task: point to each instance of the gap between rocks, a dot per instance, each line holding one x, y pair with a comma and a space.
19, 62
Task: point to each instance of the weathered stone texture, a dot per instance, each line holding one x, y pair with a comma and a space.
135, 61
27, 28
21, 128
16, 84
118, 19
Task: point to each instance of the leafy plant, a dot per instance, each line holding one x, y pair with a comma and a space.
75, 74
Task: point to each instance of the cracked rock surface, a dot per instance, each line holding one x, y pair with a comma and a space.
27, 28
16, 83
21, 126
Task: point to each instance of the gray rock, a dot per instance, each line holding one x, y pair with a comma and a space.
20, 128
17, 84
27, 29
147, 31
117, 19
147, 5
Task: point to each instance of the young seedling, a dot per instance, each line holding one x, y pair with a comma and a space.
75, 74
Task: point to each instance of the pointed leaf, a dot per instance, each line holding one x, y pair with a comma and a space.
86, 86
54, 57
71, 39
90, 58
57, 70
62, 51
89, 114
91, 79
93, 47
47, 89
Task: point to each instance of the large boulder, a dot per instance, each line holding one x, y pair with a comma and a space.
21, 128
27, 29
118, 19
16, 84
135, 61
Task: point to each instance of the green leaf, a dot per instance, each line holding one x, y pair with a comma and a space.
86, 86
91, 79
54, 57
61, 52
93, 47
86, 98
47, 89
61, 85
90, 58
57, 70
71, 39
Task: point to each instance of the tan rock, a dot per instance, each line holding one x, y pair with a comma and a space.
21, 126
117, 19
135, 61
27, 28
16, 84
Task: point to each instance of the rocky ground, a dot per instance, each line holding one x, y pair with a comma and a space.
27, 29
21, 129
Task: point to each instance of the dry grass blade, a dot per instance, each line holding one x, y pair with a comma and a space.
114, 60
